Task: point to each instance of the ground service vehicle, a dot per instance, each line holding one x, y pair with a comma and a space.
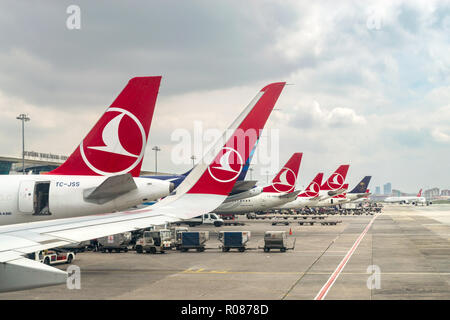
117, 242
176, 236
77, 247
154, 241
276, 240
193, 240
51, 257
207, 218
234, 239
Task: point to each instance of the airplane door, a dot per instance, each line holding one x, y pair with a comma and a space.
26, 197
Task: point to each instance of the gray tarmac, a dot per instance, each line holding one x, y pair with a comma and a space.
409, 245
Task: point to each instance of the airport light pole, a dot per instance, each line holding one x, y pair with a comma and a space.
23, 117
193, 161
156, 148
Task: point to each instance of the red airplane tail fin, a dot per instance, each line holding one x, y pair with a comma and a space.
286, 178
217, 173
313, 188
420, 193
337, 179
116, 144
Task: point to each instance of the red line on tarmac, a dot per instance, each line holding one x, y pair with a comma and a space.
327, 286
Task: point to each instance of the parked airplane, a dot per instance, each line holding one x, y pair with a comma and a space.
203, 190
280, 191
308, 197
334, 200
102, 173
333, 186
409, 199
360, 191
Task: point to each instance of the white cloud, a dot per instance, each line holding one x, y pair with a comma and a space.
440, 136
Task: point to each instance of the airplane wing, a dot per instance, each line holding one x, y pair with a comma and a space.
203, 190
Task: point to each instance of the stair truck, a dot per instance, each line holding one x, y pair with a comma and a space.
234, 240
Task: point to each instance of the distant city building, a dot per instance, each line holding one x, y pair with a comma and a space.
377, 190
387, 188
430, 193
445, 192
397, 193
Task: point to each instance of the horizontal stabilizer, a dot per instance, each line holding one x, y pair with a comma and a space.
242, 186
291, 195
24, 273
244, 195
111, 188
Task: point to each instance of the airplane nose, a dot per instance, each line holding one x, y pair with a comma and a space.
171, 187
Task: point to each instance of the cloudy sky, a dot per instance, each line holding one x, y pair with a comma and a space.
370, 79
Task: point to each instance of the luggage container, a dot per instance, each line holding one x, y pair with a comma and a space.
117, 242
234, 239
276, 240
193, 240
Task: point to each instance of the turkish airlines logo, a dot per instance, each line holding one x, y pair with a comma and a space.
313, 190
336, 181
286, 181
229, 167
119, 148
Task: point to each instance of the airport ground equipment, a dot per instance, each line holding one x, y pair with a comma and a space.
276, 240
207, 218
284, 222
234, 240
193, 240
323, 222
154, 241
51, 257
176, 236
78, 247
117, 242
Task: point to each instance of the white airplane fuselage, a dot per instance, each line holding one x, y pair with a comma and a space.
410, 199
356, 196
261, 202
27, 198
300, 202
327, 194
330, 202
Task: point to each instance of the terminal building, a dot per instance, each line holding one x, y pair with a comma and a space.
37, 163
13, 165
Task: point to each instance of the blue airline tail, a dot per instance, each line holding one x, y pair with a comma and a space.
362, 186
